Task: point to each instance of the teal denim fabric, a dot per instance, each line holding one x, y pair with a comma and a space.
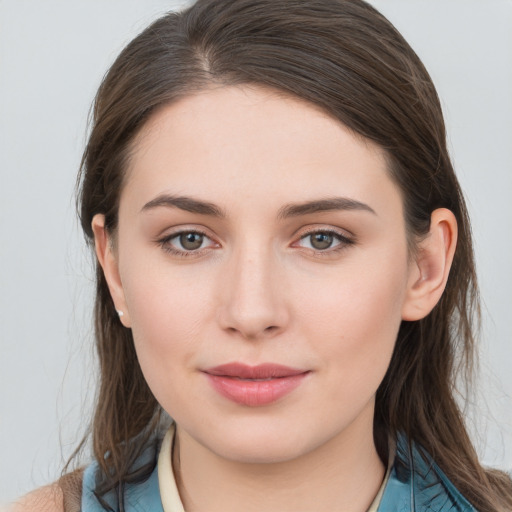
416, 484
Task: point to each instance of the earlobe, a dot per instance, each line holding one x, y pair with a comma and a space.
431, 267
108, 261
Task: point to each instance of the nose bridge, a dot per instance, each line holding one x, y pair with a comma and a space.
252, 301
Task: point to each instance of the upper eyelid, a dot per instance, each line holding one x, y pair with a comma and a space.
165, 243
165, 239
176, 234
342, 233
344, 240
299, 234
173, 232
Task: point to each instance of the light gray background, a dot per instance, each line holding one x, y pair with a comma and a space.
53, 54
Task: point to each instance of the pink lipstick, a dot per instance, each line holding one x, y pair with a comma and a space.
254, 385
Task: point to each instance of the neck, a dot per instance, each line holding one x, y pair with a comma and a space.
343, 474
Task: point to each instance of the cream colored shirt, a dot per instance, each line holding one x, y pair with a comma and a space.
170, 496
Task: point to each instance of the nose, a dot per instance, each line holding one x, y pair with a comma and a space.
252, 297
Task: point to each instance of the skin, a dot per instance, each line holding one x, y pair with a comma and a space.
260, 290
45, 499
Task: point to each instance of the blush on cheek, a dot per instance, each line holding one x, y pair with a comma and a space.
362, 321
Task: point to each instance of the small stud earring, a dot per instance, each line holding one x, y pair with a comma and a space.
119, 312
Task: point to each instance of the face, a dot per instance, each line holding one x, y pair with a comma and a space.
256, 230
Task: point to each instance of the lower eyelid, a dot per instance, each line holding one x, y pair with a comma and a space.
339, 236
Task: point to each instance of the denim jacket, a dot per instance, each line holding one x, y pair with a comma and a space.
415, 484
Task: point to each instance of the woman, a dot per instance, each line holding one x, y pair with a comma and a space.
284, 268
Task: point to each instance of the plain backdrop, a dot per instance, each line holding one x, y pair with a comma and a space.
53, 54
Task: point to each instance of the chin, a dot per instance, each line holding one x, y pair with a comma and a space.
271, 453
266, 445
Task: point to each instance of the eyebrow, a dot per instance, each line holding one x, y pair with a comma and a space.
323, 205
185, 203
200, 207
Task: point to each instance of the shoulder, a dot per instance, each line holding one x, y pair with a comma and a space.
46, 499
61, 496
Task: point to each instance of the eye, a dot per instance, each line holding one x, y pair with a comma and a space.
190, 241
185, 243
321, 240
324, 240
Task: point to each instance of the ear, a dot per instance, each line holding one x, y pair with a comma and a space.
429, 271
107, 258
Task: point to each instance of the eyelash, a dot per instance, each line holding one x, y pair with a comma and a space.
167, 247
343, 240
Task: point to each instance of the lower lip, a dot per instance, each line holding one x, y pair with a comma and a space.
255, 393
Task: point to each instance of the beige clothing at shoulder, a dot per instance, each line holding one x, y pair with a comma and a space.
376, 502
169, 494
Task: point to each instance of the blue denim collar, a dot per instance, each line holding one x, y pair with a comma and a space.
417, 484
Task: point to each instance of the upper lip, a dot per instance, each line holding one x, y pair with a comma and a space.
260, 371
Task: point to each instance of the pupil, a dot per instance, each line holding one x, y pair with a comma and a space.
321, 240
191, 241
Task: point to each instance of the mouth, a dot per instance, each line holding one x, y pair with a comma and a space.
254, 386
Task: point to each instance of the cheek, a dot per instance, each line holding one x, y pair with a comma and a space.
162, 298
159, 308
167, 313
354, 324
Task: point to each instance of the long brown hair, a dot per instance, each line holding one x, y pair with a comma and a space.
348, 59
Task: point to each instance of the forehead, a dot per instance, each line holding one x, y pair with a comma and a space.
247, 141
